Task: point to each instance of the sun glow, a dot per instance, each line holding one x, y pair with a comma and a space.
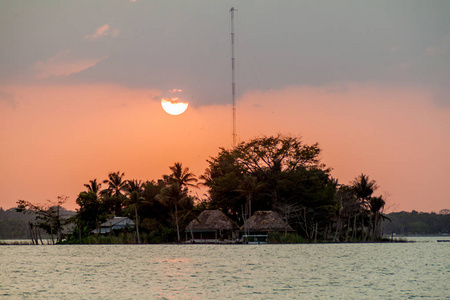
174, 106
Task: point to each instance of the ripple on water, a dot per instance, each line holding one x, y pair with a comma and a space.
226, 271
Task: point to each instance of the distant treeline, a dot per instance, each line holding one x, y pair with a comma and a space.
413, 223
14, 225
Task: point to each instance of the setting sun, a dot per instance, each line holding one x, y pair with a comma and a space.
173, 106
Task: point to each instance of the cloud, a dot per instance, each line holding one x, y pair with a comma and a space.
102, 31
63, 64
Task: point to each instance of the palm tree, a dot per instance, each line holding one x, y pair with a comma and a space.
172, 196
93, 186
177, 191
349, 208
363, 188
135, 191
376, 205
116, 185
249, 187
181, 176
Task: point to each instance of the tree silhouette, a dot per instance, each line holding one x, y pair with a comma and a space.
135, 190
114, 192
93, 186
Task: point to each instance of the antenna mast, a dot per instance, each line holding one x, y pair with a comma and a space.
233, 83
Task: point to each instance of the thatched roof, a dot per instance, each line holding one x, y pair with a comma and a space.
211, 220
266, 221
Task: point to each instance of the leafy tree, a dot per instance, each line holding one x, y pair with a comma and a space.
268, 157
279, 173
249, 187
48, 217
90, 213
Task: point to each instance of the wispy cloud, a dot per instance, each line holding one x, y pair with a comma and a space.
102, 31
63, 64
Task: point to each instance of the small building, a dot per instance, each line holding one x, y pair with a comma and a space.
116, 223
212, 226
265, 221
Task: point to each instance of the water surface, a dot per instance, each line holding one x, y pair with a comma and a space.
301, 271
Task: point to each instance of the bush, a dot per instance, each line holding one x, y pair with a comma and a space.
285, 238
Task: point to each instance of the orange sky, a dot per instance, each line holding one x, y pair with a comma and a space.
56, 138
81, 85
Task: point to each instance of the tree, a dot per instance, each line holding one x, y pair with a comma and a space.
444, 211
173, 196
93, 186
90, 212
278, 173
135, 191
181, 176
249, 187
268, 157
349, 208
113, 194
363, 189
176, 193
47, 217
376, 205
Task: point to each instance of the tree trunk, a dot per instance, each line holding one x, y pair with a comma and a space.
315, 232
249, 207
39, 234
348, 229
338, 224
137, 224
274, 199
33, 240
176, 222
354, 228
79, 229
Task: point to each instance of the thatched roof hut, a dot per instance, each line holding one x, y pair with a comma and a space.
212, 226
265, 221
211, 220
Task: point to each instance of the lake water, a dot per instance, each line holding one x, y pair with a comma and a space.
301, 271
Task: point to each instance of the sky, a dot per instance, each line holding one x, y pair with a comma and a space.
81, 84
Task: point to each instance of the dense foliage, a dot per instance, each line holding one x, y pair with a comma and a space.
278, 173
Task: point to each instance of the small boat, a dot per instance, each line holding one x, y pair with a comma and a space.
441, 241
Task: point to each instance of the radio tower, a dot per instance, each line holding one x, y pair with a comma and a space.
233, 83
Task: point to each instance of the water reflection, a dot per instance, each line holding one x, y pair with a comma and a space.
375, 271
